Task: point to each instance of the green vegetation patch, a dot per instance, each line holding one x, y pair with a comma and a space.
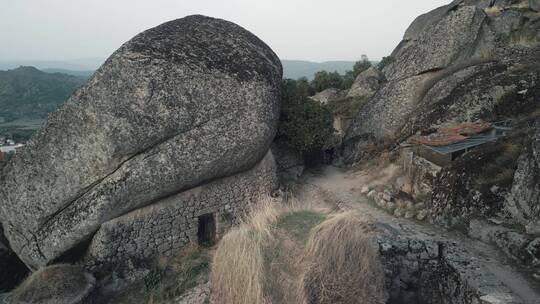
298, 224
348, 106
305, 125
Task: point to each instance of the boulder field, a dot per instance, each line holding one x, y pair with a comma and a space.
176, 118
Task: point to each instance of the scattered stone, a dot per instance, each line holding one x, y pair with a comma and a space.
409, 205
419, 206
365, 190
399, 212
387, 195
533, 252
410, 214
422, 214
390, 206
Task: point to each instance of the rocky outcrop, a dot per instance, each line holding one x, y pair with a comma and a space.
180, 105
455, 64
328, 95
366, 83
523, 201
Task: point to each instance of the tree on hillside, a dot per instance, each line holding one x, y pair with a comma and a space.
385, 61
324, 80
305, 125
361, 65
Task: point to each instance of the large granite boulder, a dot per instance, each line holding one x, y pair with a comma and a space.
366, 83
187, 102
455, 64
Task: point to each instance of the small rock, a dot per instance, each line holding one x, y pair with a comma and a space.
390, 206
364, 190
399, 212
410, 214
421, 215
420, 206
533, 250
387, 196
495, 221
409, 205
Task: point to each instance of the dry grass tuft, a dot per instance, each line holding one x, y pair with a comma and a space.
238, 268
342, 262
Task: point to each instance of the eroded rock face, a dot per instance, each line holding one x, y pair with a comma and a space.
455, 64
181, 104
366, 83
523, 202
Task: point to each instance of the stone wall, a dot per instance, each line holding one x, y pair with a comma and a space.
165, 227
419, 173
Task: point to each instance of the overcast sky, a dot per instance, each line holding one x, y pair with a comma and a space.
316, 30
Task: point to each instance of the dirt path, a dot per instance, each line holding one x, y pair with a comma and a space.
497, 280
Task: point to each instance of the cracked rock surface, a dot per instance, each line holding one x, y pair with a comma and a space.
182, 104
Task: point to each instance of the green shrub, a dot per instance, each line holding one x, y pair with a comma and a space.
348, 106
305, 124
385, 61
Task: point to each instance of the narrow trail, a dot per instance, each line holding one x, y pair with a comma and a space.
488, 270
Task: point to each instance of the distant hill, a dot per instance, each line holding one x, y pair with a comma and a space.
84, 64
86, 73
295, 69
28, 93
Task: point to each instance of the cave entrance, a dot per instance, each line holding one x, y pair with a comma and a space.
206, 232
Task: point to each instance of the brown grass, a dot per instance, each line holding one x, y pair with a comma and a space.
238, 268
342, 263
267, 259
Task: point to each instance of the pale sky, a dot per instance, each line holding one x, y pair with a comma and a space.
316, 30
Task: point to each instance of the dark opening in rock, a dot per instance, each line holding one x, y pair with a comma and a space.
74, 254
206, 232
12, 269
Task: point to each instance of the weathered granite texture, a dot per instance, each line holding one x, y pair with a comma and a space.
427, 271
454, 64
366, 83
163, 228
523, 201
181, 104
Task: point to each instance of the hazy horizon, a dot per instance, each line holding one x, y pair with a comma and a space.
316, 30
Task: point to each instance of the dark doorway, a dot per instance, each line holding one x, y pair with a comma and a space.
206, 233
